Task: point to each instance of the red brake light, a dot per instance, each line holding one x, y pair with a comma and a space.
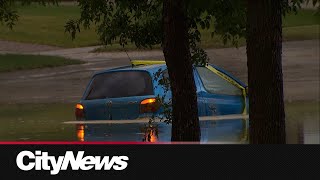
149, 105
79, 112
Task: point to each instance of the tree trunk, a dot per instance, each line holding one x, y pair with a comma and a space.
185, 123
264, 50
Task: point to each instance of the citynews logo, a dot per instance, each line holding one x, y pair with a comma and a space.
42, 161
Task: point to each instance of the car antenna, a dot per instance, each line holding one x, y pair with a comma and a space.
128, 56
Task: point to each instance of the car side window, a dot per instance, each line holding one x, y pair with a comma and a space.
166, 75
215, 84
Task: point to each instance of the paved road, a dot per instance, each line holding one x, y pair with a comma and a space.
13, 47
66, 84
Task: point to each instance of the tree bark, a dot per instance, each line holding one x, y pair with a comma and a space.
264, 51
185, 123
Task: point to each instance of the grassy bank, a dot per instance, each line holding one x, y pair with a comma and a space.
45, 25
294, 33
11, 62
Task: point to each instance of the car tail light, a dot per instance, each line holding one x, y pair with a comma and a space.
79, 111
149, 105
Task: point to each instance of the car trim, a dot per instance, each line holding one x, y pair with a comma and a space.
232, 81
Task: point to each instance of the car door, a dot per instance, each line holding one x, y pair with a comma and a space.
220, 96
94, 100
200, 100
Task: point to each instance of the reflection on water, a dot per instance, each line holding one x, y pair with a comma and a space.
45, 122
80, 132
309, 132
234, 131
150, 133
222, 131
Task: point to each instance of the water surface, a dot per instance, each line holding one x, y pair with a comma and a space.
45, 122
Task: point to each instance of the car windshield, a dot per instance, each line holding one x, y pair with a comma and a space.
120, 84
215, 84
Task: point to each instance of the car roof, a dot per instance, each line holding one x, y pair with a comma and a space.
153, 68
149, 68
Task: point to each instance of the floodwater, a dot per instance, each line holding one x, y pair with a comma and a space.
220, 131
226, 131
51, 122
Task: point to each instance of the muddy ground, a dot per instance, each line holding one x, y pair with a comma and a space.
66, 84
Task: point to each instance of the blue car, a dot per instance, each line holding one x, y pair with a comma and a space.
130, 92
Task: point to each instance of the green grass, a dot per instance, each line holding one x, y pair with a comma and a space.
301, 32
36, 122
294, 33
45, 25
301, 26
304, 17
11, 62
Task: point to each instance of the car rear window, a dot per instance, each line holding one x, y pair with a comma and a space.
120, 84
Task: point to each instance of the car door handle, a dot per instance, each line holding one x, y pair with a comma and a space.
132, 102
109, 103
212, 107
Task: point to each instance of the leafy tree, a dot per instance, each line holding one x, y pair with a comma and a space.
264, 60
9, 15
175, 26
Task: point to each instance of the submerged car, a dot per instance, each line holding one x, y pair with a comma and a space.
131, 92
